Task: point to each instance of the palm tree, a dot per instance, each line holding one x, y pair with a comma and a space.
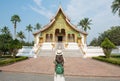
116, 7
29, 29
37, 26
5, 30
21, 35
15, 19
85, 23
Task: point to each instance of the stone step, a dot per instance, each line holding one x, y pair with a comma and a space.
72, 53
46, 46
66, 53
46, 53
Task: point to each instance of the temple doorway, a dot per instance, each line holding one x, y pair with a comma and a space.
60, 38
60, 35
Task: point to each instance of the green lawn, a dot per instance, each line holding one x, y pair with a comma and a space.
114, 59
5, 60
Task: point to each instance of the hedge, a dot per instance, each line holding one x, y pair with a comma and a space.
113, 60
12, 60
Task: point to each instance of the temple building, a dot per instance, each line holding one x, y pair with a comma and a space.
60, 29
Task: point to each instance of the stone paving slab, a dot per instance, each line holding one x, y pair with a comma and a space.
15, 76
74, 66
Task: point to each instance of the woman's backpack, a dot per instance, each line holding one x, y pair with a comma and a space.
59, 69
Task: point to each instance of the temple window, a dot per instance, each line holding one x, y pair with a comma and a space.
71, 38
51, 37
57, 31
46, 37
68, 37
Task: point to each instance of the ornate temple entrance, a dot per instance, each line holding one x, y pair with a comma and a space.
60, 38
60, 35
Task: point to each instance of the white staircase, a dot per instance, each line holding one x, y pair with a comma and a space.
46, 50
71, 51
46, 46
72, 46
49, 53
26, 51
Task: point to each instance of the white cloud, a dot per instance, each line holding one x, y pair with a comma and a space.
97, 10
84, 8
38, 2
42, 11
39, 8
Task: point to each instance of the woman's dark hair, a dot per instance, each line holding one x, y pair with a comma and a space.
59, 59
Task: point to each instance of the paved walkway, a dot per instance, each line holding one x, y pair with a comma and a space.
14, 76
74, 66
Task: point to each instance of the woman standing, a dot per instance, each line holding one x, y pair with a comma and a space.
59, 66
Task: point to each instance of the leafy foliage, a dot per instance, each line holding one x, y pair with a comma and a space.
15, 18
4, 43
94, 42
37, 26
14, 46
107, 46
116, 7
7, 44
5, 30
112, 34
29, 29
28, 43
11, 60
21, 35
85, 23
113, 60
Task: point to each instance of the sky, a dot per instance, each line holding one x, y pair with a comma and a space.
41, 11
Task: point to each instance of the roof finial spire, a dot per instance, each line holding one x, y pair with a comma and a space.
59, 2
60, 5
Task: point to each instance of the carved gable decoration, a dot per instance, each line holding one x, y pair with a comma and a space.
60, 20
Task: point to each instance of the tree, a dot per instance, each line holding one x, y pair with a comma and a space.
5, 30
85, 23
116, 7
37, 26
5, 38
7, 44
94, 42
107, 46
4, 42
112, 34
14, 46
29, 29
15, 19
21, 35
102, 37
